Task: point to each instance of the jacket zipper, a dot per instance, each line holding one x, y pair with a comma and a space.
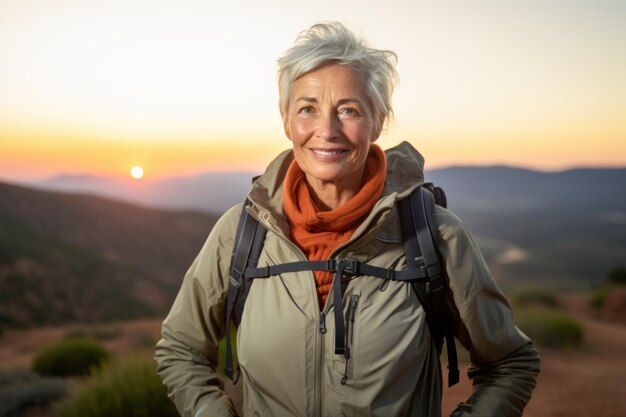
322, 323
354, 299
319, 340
319, 337
319, 365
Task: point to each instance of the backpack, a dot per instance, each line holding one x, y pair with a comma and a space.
424, 272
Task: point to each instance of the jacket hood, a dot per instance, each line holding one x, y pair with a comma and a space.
405, 169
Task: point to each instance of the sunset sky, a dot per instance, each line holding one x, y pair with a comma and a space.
184, 87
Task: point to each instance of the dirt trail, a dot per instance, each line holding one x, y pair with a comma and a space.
588, 382
585, 382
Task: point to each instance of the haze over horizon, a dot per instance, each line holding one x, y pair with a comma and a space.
183, 88
124, 176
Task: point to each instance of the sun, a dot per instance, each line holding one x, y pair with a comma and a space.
136, 172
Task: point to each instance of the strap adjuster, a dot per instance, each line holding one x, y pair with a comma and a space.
235, 278
331, 265
349, 266
391, 274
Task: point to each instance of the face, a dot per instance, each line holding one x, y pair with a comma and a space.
331, 125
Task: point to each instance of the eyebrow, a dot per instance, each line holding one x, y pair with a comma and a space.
339, 103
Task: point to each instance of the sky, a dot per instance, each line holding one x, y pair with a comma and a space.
185, 87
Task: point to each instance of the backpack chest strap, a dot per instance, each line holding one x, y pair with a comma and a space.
347, 266
340, 267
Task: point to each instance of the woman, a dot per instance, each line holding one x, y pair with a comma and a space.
333, 196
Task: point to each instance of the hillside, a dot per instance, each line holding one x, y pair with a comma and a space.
67, 257
563, 228
570, 225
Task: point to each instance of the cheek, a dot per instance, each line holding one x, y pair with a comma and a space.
361, 136
299, 132
362, 140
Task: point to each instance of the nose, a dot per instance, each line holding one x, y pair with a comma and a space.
328, 125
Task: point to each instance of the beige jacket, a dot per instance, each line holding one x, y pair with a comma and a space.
288, 365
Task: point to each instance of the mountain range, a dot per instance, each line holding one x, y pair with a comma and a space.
212, 192
467, 188
78, 254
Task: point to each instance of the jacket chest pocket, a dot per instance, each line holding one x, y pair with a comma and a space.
344, 364
384, 328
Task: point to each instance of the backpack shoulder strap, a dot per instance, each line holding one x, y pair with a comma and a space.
249, 239
419, 233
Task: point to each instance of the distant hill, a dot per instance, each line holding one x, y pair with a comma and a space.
468, 188
571, 224
67, 257
567, 226
212, 192
566, 229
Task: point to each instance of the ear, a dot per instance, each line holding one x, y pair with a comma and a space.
287, 130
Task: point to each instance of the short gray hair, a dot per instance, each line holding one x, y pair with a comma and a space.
326, 43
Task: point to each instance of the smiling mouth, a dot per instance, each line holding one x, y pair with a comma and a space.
321, 152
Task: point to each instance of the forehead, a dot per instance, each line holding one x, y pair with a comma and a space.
340, 81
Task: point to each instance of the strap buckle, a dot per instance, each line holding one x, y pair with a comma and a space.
348, 266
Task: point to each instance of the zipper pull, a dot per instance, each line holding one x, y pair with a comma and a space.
322, 322
353, 301
344, 379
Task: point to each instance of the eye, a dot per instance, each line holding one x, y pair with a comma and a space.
305, 110
348, 112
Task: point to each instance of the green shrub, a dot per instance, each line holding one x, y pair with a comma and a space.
70, 357
22, 388
535, 296
549, 327
132, 389
598, 298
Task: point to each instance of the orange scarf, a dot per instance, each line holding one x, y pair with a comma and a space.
318, 233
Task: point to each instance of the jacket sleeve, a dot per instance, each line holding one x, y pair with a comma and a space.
187, 354
504, 363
